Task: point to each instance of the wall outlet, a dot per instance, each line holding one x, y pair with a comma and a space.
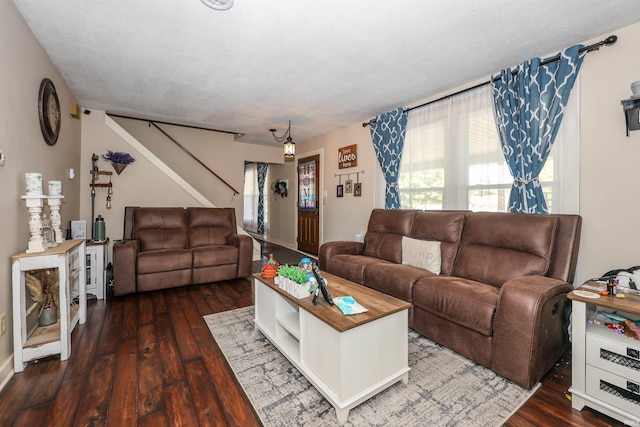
3, 323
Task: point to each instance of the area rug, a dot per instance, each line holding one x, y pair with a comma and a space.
444, 389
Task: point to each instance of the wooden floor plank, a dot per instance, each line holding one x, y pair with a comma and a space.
48, 381
187, 344
198, 326
130, 318
35, 416
172, 369
237, 407
95, 399
150, 390
87, 342
204, 395
65, 406
180, 407
15, 394
108, 341
123, 401
145, 308
157, 419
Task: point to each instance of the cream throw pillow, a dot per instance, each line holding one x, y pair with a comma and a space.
422, 254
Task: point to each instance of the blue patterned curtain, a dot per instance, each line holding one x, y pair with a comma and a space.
262, 175
529, 106
387, 134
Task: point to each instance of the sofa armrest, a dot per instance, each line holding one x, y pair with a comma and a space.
244, 244
529, 331
125, 254
329, 249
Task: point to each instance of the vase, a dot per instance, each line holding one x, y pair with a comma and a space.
48, 316
119, 167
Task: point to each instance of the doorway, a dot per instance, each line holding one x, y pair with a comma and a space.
308, 204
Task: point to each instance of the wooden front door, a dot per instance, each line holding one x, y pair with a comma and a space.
308, 204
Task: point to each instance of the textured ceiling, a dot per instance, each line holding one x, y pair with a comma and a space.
323, 65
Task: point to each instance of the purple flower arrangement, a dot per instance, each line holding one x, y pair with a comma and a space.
118, 157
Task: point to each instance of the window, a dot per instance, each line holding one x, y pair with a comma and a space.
452, 158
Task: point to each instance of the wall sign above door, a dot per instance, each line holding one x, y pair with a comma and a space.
348, 156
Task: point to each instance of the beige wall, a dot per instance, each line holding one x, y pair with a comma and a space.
24, 65
609, 172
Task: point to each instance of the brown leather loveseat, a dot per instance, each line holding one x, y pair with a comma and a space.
498, 294
170, 247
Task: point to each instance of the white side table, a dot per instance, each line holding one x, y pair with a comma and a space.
605, 365
34, 342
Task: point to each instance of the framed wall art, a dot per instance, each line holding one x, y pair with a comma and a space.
357, 189
348, 186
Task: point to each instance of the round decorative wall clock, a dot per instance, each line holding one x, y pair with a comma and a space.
49, 111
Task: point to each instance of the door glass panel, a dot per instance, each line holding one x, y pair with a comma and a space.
307, 186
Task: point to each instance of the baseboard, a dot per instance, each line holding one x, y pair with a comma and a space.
6, 371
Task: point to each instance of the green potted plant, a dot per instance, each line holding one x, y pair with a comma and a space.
293, 280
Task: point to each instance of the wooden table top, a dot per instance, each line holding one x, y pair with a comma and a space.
378, 304
60, 249
630, 303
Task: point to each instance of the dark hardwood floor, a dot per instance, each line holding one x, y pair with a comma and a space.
149, 360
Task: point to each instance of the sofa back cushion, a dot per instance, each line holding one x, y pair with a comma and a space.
496, 247
210, 226
160, 228
444, 227
384, 233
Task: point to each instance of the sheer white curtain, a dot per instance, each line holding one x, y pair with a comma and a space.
452, 157
250, 196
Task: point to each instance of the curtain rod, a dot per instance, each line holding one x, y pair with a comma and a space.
596, 46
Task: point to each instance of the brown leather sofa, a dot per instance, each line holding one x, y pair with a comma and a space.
501, 296
170, 247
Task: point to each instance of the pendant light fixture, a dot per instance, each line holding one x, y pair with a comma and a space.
289, 145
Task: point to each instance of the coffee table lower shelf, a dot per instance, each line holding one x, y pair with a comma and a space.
346, 366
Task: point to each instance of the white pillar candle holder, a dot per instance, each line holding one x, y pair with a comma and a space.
54, 203
34, 205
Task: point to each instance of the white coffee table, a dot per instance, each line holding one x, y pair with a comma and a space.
347, 358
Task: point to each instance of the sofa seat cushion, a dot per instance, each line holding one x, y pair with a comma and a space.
207, 256
462, 301
164, 260
394, 279
351, 267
